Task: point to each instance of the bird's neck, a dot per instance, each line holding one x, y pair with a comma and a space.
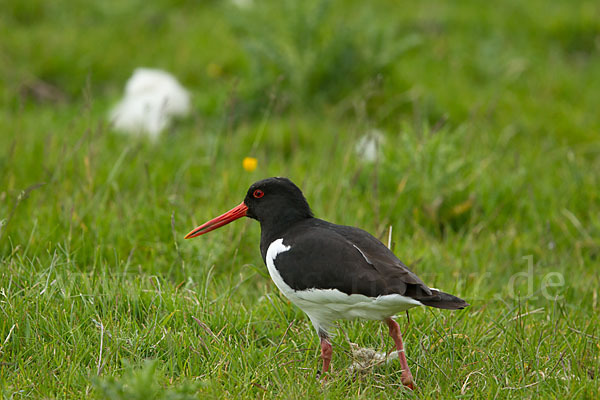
275, 227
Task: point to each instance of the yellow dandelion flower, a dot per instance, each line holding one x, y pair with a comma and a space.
250, 163
214, 70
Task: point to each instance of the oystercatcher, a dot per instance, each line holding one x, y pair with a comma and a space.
330, 271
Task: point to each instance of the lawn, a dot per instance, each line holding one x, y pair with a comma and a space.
489, 177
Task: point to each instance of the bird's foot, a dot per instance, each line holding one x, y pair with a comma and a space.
322, 377
407, 380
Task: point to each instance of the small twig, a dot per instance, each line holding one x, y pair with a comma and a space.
538, 310
283, 337
9, 334
278, 346
584, 334
562, 355
99, 368
205, 327
164, 335
438, 367
521, 387
463, 389
256, 385
290, 362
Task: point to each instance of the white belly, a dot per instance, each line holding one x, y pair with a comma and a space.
323, 306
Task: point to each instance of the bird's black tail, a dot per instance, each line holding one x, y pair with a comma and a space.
443, 300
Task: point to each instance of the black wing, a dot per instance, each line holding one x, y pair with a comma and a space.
352, 261
343, 258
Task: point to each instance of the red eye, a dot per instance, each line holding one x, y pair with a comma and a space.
258, 194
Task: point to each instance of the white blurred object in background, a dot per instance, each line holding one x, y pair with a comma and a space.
243, 3
369, 145
152, 98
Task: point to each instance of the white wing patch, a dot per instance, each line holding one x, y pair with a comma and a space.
323, 306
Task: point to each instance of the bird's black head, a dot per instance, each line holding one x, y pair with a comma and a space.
276, 200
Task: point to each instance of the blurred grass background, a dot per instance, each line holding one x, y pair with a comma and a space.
491, 159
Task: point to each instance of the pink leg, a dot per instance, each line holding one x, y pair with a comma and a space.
406, 377
326, 351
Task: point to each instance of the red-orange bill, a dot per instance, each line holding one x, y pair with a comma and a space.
229, 216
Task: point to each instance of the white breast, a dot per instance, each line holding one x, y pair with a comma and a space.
323, 306
274, 249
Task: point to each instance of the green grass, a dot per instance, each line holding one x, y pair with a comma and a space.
489, 177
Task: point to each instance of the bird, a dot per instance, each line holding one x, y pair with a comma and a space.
331, 272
